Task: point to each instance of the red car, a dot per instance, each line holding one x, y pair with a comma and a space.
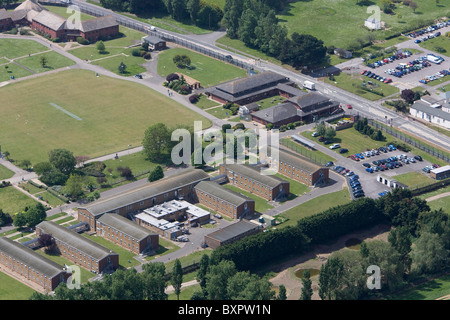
364, 71
388, 80
349, 106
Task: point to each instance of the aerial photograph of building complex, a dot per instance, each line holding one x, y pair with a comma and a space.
217, 150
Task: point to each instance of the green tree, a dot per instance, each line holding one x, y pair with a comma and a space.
282, 293
217, 279
35, 215
330, 133
429, 254
122, 68
177, 278
321, 129
154, 281
74, 186
193, 7
63, 160
20, 220
203, 271
42, 167
156, 174
100, 46
307, 291
44, 61
400, 239
157, 142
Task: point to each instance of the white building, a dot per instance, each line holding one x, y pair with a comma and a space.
430, 113
372, 24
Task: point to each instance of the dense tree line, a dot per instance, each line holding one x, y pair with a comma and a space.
197, 12
255, 24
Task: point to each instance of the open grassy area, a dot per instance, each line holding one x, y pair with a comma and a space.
12, 69
31, 126
133, 64
339, 23
295, 187
12, 289
414, 179
205, 103
54, 61
314, 206
315, 155
15, 48
13, 201
207, 70
443, 203
261, 204
442, 42
5, 173
220, 112
429, 290
352, 83
126, 257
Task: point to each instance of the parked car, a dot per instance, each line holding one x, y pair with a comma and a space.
367, 165
329, 164
418, 158
343, 150
335, 146
370, 170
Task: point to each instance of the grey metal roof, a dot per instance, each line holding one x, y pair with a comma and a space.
250, 172
125, 225
290, 89
308, 99
50, 20
98, 23
75, 240
152, 39
436, 112
239, 86
280, 112
233, 230
223, 193
148, 191
4, 14
297, 161
30, 258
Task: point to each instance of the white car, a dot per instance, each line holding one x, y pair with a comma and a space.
335, 146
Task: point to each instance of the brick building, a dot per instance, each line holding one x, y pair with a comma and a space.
180, 186
231, 233
126, 233
297, 168
223, 200
247, 178
30, 267
99, 28
78, 249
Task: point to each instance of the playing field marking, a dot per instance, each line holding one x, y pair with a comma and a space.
65, 111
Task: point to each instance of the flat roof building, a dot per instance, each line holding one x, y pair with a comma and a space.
231, 233
440, 173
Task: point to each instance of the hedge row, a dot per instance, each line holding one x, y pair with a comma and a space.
252, 251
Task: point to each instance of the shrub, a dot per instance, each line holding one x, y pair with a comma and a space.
171, 77
82, 41
147, 56
193, 98
125, 172
136, 52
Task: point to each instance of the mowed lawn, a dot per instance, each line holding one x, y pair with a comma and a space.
414, 179
53, 61
114, 114
15, 48
12, 289
207, 70
5, 173
341, 22
13, 200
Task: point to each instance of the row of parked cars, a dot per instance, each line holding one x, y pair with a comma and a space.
355, 186
430, 36
390, 163
408, 67
435, 76
430, 29
374, 76
371, 153
389, 59
427, 169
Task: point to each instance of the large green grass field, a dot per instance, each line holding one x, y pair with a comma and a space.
15, 48
443, 42
13, 201
114, 114
341, 22
207, 70
314, 206
12, 289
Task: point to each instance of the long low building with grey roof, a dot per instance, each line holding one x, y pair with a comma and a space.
78, 249
224, 201
250, 179
29, 267
179, 186
231, 233
127, 233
